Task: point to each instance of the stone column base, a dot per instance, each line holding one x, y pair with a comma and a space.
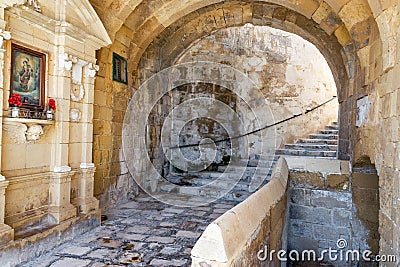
86, 202
62, 213
86, 205
6, 234
60, 186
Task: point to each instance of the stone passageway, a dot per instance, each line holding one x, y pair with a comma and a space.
144, 232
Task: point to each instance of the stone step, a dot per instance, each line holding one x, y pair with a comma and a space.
329, 132
308, 146
332, 127
263, 168
317, 141
247, 176
234, 185
324, 136
306, 153
263, 161
239, 193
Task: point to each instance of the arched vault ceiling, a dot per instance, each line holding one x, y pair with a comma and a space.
176, 38
136, 14
334, 26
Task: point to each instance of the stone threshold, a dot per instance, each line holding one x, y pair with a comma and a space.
28, 248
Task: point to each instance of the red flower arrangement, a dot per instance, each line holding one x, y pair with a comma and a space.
51, 104
15, 100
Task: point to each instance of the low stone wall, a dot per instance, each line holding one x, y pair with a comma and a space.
325, 205
235, 238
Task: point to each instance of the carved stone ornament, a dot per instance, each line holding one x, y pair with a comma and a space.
33, 133
34, 4
75, 115
21, 131
65, 61
77, 89
91, 70
4, 35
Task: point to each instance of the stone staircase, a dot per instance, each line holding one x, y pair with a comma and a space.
255, 172
323, 144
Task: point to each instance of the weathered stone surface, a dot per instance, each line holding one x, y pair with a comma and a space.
164, 242
339, 182
307, 179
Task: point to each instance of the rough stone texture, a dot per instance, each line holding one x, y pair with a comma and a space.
325, 208
282, 66
50, 180
166, 236
363, 53
231, 240
113, 184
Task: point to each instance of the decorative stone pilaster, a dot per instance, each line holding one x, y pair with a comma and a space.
60, 190
86, 202
6, 232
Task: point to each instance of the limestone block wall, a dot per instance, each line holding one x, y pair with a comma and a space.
290, 72
113, 183
50, 176
359, 39
378, 137
194, 131
327, 204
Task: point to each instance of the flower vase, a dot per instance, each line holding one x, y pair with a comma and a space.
49, 115
14, 112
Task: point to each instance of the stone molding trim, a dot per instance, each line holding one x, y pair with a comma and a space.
60, 169
10, 3
84, 165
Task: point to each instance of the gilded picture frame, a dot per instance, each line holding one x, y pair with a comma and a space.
28, 70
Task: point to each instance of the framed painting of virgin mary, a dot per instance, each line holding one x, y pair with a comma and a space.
28, 68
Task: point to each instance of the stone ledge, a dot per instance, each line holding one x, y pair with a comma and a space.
29, 248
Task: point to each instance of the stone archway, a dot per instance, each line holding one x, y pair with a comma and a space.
363, 35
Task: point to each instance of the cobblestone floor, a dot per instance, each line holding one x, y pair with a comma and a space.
145, 232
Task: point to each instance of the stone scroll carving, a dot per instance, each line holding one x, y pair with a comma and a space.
4, 35
81, 71
78, 90
34, 4
24, 131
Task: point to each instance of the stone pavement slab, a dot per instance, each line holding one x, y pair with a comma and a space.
143, 232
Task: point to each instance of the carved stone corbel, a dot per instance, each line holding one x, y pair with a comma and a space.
91, 69
65, 62
78, 90
4, 35
21, 131
34, 4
